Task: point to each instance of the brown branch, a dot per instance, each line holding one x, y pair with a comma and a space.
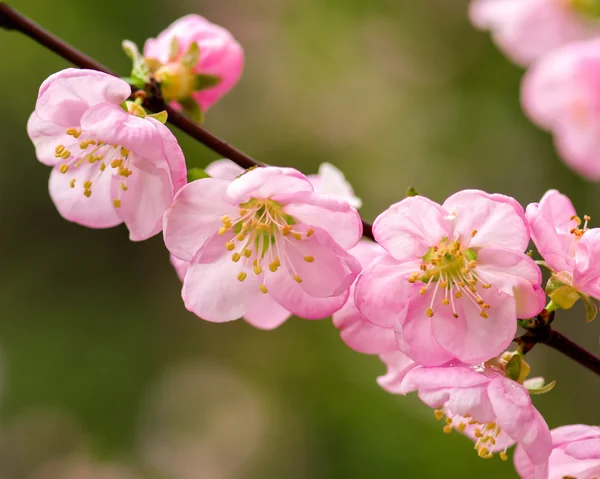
10, 19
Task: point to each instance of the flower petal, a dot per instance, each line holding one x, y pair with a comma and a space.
335, 216
471, 338
172, 159
586, 276
97, 211
264, 312
409, 228
195, 216
331, 181
46, 136
515, 274
180, 266
498, 220
398, 365
585, 449
443, 378
65, 96
224, 169
266, 182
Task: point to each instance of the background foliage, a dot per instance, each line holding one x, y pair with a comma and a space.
101, 360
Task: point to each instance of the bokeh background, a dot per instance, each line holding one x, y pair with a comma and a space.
107, 376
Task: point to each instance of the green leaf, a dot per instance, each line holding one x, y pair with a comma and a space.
194, 174
174, 49
140, 73
541, 390
160, 116
192, 109
136, 82
591, 309
411, 192
203, 81
191, 57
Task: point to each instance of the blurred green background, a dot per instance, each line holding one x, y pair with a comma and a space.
106, 375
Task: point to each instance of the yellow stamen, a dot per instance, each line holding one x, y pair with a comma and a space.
247, 253
117, 203
439, 414
229, 245
64, 168
447, 429
503, 456
429, 312
102, 166
309, 259
87, 185
72, 183
263, 289
235, 257
124, 187
222, 230
298, 236
483, 314
87, 193
242, 276
310, 232
257, 268
297, 278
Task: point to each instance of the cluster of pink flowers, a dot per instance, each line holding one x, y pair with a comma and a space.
437, 295
559, 40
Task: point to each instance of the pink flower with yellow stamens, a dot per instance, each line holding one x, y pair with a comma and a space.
456, 279
110, 167
263, 237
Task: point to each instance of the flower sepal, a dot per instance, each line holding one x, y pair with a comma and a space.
538, 386
515, 367
561, 292
140, 71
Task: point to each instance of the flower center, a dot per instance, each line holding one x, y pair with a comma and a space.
451, 266
97, 153
263, 233
486, 435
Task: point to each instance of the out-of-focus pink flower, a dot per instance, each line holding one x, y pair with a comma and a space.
527, 29
264, 237
480, 402
109, 166
561, 93
569, 248
575, 454
356, 330
457, 278
331, 181
220, 55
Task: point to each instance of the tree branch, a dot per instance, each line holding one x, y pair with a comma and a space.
10, 19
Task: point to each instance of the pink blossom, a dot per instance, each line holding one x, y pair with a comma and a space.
356, 330
398, 365
331, 181
569, 248
264, 237
456, 278
220, 55
109, 166
527, 29
575, 454
482, 403
561, 93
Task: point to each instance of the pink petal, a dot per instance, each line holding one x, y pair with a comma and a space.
515, 274
195, 216
471, 338
471, 401
97, 211
224, 169
180, 266
172, 159
558, 210
498, 220
331, 271
586, 276
113, 125
573, 432
331, 181
335, 216
65, 96
578, 145
46, 136
398, 365
519, 419
383, 292
266, 182
211, 288
409, 228
585, 449
264, 312
443, 378
527, 469
291, 296
415, 335
149, 194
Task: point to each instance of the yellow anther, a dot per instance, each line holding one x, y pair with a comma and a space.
226, 220
124, 151
64, 168
117, 202
448, 420
222, 230
65, 154
229, 245
257, 267
461, 427
447, 429
286, 230
483, 452
241, 237
83, 145
263, 289
439, 414
423, 267
247, 253
455, 315
413, 277
472, 421
87, 185
235, 257
490, 425
473, 233
309, 259
483, 314
445, 301
492, 440
87, 193
429, 312
116, 163
74, 132
297, 278
310, 232
503, 456
124, 187
423, 290
59, 149
72, 183
243, 211
472, 264
103, 167
486, 286
242, 276
274, 265
478, 433
458, 294
298, 236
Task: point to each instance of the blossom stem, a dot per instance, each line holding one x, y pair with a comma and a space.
11, 19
